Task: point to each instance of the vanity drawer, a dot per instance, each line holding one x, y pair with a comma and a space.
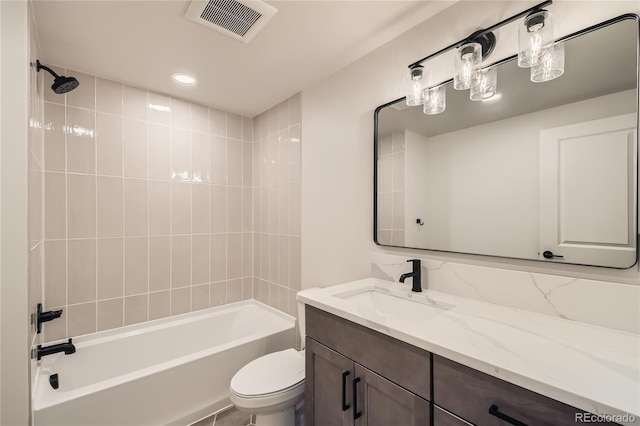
397, 361
470, 394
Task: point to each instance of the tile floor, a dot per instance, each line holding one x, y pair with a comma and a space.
230, 417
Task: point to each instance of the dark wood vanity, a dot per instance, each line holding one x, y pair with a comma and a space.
358, 376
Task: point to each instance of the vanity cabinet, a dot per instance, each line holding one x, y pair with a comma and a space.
356, 376
486, 400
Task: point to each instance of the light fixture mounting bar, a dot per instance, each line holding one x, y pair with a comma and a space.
483, 32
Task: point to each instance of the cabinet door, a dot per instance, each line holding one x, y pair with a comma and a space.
380, 402
328, 387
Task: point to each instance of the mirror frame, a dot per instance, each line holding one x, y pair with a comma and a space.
626, 16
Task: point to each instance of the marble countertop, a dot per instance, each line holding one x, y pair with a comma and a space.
592, 368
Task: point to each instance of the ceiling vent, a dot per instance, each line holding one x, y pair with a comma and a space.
239, 19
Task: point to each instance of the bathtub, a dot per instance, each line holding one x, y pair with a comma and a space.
172, 371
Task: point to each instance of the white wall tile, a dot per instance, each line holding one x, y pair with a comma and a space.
155, 200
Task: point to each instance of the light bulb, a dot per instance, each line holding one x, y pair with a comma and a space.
416, 85
485, 84
436, 100
535, 34
550, 65
467, 61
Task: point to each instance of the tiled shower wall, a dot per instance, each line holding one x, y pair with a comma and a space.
148, 207
391, 189
277, 205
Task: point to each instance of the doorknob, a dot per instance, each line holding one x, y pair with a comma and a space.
549, 255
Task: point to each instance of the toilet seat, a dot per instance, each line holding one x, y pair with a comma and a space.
272, 375
270, 383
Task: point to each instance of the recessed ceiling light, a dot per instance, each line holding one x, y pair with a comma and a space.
185, 79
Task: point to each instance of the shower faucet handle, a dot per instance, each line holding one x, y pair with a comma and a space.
45, 316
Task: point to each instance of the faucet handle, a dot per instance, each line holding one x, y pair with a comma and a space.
415, 262
45, 316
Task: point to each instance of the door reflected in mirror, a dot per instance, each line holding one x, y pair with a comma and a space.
542, 171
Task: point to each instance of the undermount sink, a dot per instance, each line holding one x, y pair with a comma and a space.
383, 302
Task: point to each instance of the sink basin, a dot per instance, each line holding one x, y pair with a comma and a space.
380, 302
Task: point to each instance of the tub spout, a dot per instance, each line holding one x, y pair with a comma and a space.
67, 348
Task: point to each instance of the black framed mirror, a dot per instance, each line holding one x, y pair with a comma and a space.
542, 171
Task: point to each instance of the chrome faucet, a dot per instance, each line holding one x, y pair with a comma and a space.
416, 274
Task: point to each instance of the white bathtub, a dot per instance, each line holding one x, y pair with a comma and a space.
170, 371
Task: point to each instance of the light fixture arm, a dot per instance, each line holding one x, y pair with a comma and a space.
485, 37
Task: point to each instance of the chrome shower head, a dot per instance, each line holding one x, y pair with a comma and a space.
61, 84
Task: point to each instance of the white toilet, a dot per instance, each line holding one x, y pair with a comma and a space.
272, 386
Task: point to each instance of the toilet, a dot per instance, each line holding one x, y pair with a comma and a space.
272, 386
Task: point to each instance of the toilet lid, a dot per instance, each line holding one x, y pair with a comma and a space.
271, 373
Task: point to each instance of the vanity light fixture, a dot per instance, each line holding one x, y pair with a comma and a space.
535, 36
467, 61
484, 84
550, 65
416, 85
436, 100
536, 50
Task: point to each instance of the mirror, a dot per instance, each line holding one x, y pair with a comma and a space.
542, 171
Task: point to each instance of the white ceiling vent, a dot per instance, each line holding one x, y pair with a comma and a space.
240, 19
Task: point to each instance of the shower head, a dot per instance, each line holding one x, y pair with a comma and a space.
64, 84
61, 84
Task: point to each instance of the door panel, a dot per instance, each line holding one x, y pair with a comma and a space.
587, 192
323, 386
383, 403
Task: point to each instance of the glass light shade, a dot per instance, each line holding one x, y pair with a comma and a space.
534, 35
484, 84
468, 60
436, 100
550, 65
416, 83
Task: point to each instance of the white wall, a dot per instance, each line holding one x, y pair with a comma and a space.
14, 321
337, 121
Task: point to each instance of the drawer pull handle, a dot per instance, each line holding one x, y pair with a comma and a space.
345, 406
356, 413
493, 410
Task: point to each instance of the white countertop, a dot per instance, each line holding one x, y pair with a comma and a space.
589, 367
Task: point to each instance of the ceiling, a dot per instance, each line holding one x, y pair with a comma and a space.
142, 43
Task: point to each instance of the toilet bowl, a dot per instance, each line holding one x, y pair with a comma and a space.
272, 386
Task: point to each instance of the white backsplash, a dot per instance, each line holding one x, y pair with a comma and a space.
600, 303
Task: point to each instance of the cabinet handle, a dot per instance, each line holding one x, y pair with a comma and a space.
345, 406
356, 413
493, 410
